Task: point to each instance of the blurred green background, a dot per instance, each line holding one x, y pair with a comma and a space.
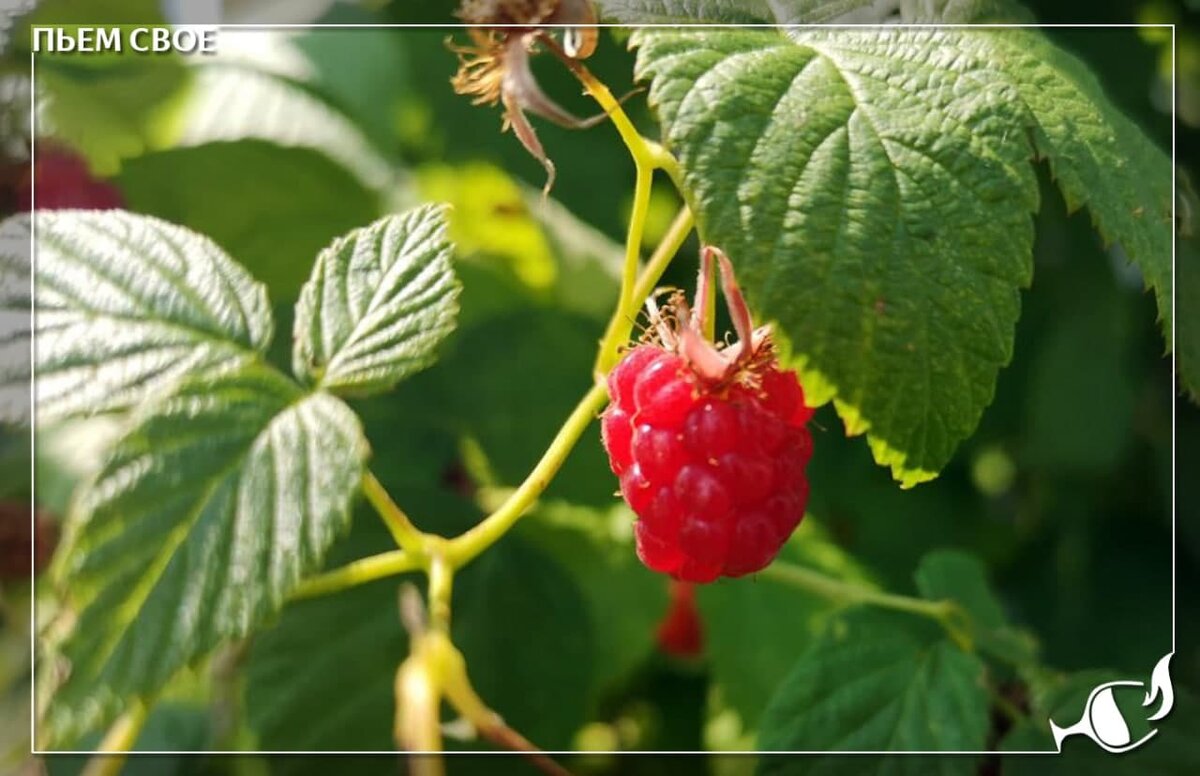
1065, 491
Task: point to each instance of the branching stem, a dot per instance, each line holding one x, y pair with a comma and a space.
357, 573
622, 322
947, 613
462, 549
407, 536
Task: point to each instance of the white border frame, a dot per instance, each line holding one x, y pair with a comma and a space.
34, 751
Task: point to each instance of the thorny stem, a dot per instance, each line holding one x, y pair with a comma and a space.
436, 669
648, 156
120, 739
947, 613
225, 705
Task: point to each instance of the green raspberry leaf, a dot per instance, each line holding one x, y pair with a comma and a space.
878, 681
676, 11
874, 190
295, 668
219, 497
750, 647
378, 303
957, 576
1188, 336
300, 201
1099, 158
126, 305
808, 11
15, 304
247, 100
1063, 699
625, 601
505, 605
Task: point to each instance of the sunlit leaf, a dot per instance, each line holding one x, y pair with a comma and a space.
879, 682
127, 304
216, 501
379, 301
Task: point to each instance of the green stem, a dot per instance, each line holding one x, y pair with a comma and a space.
417, 726
407, 536
120, 738
463, 548
417, 547
441, 584
710, 305
226, 690
1006, 707
357, 573
623, 320
946, 613
644, 152
466, 701
637, 227
672, 241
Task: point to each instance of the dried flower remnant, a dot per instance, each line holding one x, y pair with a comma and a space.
494, 67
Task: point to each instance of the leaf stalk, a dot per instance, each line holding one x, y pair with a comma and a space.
118, 741
408, 536
359, 572
946, 613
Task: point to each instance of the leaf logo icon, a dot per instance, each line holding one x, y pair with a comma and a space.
1102, 720
1160, 684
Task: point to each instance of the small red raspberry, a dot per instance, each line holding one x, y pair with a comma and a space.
681, 633
64, 182
709, 443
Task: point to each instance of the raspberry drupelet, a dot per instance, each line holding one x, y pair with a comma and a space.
709, 442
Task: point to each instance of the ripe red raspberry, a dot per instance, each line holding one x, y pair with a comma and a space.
709, 443
64, 182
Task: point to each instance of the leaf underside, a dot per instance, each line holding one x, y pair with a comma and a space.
209, 510
239, 102
15, 306
875, 191
809, 11
126, 305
